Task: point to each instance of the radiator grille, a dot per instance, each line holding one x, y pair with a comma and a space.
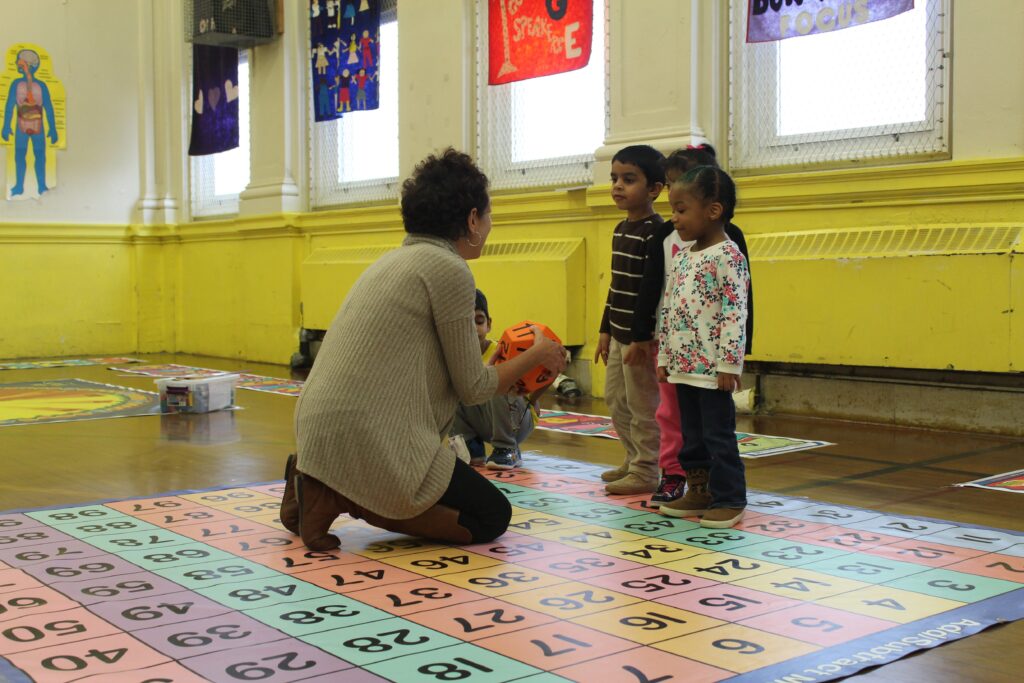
886, 242
526, 279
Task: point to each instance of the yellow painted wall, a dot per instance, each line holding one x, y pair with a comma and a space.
960, 310
236, 289
1017, 299
67, 269
155, 289
956, 310
81, 273
64, 291
232, 288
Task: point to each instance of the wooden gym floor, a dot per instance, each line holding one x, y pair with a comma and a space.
897, 470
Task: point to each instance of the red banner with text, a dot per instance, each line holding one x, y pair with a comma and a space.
532, 38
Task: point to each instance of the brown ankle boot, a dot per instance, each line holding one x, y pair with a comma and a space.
319, 506
695, 501
616, 474
437, 523
289, 502
722, 518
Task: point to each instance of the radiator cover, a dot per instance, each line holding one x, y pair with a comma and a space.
542, 280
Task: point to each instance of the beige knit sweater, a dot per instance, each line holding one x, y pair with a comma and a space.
374, 415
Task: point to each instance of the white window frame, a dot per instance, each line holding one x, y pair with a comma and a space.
325, 151
203, 168
756, 146
494, 148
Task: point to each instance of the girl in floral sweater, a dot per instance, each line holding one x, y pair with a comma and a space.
701, 342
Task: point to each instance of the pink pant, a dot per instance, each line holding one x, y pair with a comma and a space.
671, 431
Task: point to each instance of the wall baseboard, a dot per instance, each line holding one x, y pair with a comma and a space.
974, 402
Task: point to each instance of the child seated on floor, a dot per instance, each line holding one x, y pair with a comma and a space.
504, 421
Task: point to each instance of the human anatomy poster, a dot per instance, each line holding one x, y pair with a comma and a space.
33, 103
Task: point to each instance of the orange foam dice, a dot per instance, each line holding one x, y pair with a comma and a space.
517, 339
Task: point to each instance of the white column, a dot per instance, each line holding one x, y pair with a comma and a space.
279, 119
436, 58
662, 74
159, 67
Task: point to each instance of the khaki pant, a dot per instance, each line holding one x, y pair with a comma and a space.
504, 422
631, 392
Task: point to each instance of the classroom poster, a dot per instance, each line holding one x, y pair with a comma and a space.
33, 103
215, 103
769, 20
344, 56
533, 38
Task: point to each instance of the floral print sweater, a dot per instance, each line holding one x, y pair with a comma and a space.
703, 318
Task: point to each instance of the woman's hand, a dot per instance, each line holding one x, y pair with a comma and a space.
549, 354
553, 357
604, 342
662, 374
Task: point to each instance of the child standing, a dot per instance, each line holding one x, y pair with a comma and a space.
504, 421
676, 166
631, 391
702, 339
664, 248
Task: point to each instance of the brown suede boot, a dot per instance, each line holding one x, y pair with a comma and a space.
319, 506
613, 475
289, 501
437, 523
630, 485
695, 501
722, 518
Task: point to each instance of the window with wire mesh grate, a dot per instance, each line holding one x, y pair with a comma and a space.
354, 159
542, 132
875, 92
217, 179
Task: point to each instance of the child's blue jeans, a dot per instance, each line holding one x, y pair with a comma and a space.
708, 421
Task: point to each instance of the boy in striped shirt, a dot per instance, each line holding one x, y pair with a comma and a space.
631, 391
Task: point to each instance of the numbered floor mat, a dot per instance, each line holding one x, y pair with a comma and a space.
207, 586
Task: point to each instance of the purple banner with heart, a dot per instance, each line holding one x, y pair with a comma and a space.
769, 20
214, 99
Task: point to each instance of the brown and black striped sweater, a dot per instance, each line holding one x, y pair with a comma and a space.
629, 256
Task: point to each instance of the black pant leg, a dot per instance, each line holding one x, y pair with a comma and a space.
728, 483
694, 454
483, 509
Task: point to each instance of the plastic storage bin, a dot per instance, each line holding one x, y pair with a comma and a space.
196, 394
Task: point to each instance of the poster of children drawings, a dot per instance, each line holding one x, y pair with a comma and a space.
344, 55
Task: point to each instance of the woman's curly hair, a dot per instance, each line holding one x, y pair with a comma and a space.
439, 195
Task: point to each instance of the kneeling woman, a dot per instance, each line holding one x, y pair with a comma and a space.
373, 418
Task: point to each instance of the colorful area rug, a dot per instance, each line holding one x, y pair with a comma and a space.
584, 587
763, 445
70, 400
1010, 481
162, 370
268, 385
751, 445
64, 362
577, 423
